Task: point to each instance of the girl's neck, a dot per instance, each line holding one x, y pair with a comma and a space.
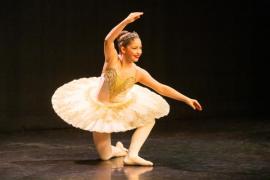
124, 62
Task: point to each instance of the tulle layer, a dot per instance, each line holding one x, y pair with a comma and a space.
75, 103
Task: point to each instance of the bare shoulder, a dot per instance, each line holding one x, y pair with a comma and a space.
140, 73
143, 77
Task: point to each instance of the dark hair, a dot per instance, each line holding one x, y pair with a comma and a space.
124, 38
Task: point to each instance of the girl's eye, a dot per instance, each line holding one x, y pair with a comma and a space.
136, 48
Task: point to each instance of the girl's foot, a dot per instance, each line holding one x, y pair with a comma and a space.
121, 146
119, 150
136, 160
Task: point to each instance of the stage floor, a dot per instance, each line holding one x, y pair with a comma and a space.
213, 149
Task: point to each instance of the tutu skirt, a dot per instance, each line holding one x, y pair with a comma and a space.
75, 102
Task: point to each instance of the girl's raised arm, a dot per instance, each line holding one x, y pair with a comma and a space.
110, 52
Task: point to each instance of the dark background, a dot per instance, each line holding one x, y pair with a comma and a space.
209, 50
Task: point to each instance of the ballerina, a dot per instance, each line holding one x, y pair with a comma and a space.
113, 102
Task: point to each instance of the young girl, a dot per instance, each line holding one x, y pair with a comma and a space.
113, 102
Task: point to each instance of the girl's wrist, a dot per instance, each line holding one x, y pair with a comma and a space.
187, 100
126, 21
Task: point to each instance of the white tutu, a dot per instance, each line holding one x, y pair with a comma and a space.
76, 104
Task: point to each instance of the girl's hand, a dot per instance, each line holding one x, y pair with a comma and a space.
194, 104
133, 16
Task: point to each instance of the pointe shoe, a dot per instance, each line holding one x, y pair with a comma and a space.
119, 150
136, 160
121, 146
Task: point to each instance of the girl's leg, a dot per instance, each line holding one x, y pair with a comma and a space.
104, 148
137, 140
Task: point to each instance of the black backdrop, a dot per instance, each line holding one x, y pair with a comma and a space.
207, 50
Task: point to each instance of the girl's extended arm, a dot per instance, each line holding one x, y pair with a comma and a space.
145, 78
109, 49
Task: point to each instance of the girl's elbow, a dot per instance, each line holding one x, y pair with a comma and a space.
107, 40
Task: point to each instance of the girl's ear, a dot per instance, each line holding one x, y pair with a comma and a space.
123, 49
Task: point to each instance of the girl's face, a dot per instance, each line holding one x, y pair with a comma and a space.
133, 51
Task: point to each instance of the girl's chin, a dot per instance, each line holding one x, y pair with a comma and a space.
135, 59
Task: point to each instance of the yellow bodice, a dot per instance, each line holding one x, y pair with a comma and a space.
117, 85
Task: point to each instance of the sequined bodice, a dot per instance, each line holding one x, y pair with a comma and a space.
116, 84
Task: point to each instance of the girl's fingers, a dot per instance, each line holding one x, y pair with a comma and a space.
137, 14
198, 106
